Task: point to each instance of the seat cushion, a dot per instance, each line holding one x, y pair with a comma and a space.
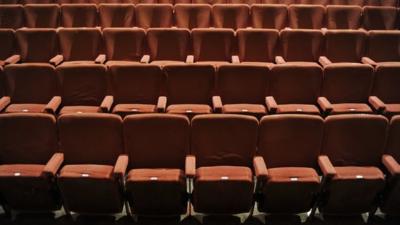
80, 109
248, 109
289, 190
119, 63
157, 191
87, 171
78, 62
126, 109
298, 108
214, 63
189, 109
223, 189
353, 172
392, 109
165, 62
21, 170
351, 108
302, 63
267, 64
32, 108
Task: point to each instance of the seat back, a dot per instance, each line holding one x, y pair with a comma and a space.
313, 2
224, 140
190, 84
157, 140
269, 16
137, 83
290, 140
116, 15
38, 132
343, 17
90, 138
168, 43
345, 45
347, 2
42, 15
11, 16
154, 15
37, 44
124, 43
381, 3
393, 142
192, 15
355, 140
301, 45
232, 16
212, 44
306, 16
380, 18
257, 45
79, 43
78, 15
380, 46
242, 84
7, 43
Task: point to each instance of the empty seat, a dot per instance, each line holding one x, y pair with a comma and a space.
124, 45
41, 15
156, 182
78, 15
380, 18
313, 2
306, 16
154, 15
232, 16
381, 3
212, 45
84, 88
386, 59
79, 46
350, 160
78, 1
286, 165
269, 16
168, 45
137, 89
28, 168
116, 15
25, 2
294, 89
390, 199
257, 46
210, 2
192, 15
7, 47
347, 2
241, 89
343, 17
189, 88
5, 2
11, 16
223, 147
31, 88
83, 181
286, 2
301, 46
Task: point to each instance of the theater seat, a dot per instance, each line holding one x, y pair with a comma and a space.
137, 89
232, 16
350, 160
154, 15
343, 17
347, 2
269, 16
380, 18
189, 89
83, 181
78, 15
28, 168
156, 183
11, 16
286, 165
382, 3
7, 47
306, 16
192, 15
222, 148
41, 15
241, 89
116, 15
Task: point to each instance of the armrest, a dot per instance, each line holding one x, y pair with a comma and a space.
260, 168
161, 104
271, 104
235, 59
217, 104
107, 103
326, 166
53, 105
368, 60
53, 165
12, 59
120, 166
145, 59
101, 59
4, 102
190, 166
279, 60
391, 165
377, 104
190, 59
324, 61
56, 60
325, 105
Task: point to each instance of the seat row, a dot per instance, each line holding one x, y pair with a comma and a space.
191, 16
93, 163
193, 89
288, 2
